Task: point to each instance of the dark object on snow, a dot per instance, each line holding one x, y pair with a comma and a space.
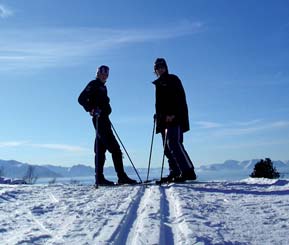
8, 181
265, 169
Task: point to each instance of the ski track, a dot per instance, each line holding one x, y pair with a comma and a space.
145, 229
228, 213
199, 213
166, 228
120, 234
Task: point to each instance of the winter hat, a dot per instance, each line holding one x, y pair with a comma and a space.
160, 62
103, 69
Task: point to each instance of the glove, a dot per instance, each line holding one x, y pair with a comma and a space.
95, 112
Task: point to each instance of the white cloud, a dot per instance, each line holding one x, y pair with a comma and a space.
61, 147
234, 131
249, 123
12, 144
52, 47
241, 128
4, 11
251, 145
208, 125
7, 58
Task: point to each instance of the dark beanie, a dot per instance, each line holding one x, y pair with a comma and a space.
103, 70
160, 62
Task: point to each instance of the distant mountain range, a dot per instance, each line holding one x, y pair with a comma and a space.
244, 166
236, 170
15, 169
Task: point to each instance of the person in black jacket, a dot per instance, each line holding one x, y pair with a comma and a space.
172, 121
94, 99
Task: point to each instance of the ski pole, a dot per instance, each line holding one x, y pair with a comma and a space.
150, 155
96, 115
163, 161
126, 152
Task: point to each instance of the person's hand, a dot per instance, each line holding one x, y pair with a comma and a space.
92, 112
170, 118
95, 113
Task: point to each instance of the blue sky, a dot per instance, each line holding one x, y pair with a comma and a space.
232, 56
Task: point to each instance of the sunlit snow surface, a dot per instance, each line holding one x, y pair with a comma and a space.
251, 211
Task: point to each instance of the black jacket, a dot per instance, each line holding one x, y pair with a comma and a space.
94, 96
171, 100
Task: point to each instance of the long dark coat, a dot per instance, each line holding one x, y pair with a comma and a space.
171, 100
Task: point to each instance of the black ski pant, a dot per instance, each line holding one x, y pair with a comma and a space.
107, 141
178, 158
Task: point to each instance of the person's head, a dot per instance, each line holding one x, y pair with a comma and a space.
160, 66
102, 73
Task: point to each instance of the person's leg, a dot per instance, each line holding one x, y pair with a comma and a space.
99, 159
116, 154
180, 155
173, 166
114, 148
99, 176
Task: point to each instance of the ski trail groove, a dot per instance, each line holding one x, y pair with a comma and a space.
178, 220
176, 217
166, 231
145, 229
120, 235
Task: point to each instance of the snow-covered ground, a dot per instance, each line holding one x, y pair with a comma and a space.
251, 211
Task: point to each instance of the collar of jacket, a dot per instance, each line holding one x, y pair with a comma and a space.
99, 82
161, 78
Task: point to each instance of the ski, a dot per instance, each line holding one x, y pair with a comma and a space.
152, 183
188, 182
146, 183
170, 183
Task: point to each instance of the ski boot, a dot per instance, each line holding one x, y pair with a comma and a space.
104, 182
124, 179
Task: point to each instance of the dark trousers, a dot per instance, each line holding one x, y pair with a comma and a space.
178, 158
107, 141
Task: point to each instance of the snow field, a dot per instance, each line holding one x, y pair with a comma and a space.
243, 212
232, 213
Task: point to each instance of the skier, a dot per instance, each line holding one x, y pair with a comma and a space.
95, 100
172, 121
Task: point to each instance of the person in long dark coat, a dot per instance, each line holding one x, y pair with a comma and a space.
172, 121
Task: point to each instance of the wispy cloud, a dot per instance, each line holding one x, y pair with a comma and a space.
208, 125
12, 144
241, 128
253, 129
58, 147
4, 11
249, 123
50, 47
234, 131
61, 147
250, 145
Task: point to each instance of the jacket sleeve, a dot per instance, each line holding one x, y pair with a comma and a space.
86, 99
